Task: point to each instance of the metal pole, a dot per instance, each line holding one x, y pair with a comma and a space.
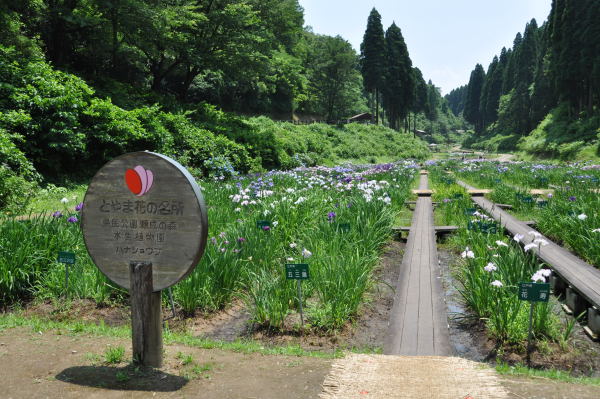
530, 335
300, 301
66, 280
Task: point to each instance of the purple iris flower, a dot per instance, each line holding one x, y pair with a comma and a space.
72, 219
57, 214
331, 216
79, 207
572, 198
266, 228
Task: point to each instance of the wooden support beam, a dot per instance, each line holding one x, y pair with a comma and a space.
423, 193
478, 192
146, 319
437, 229
541, 191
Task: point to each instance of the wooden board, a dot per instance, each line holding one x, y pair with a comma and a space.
165, 223
582, 276
418, 322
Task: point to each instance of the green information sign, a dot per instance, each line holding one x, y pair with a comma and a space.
66, 257
296, 271
263, 223
534, 292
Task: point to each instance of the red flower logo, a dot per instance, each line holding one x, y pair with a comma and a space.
139, 180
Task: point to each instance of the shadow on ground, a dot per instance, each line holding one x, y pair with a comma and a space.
128, 378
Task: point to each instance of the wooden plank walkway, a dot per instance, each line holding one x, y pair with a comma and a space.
418, 323
583, 277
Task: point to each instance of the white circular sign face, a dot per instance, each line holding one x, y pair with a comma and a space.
144, 207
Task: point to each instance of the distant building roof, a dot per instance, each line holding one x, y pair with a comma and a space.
366, 116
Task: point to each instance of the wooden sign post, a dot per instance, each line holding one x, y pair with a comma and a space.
145, 226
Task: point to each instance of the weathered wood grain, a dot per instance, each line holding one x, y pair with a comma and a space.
167, 225
146, 319
418, 323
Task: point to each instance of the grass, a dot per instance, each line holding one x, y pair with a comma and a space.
240, 260
114, 354
78, 328
49, 199
568, 216
550, 374
492, 261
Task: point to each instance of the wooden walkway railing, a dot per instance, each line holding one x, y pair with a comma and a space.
582, 278
418, 323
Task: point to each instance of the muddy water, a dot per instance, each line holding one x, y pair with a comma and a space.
466, 336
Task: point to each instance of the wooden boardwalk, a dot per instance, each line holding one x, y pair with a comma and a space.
583, 277
418, 323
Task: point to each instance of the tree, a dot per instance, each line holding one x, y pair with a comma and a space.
334, 77
472, 113
372, 58
420, 95
433, 101
509, 76
456, 99
398, 94
492, 90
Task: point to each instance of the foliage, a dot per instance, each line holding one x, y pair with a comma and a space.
244, 55
18, 178
335, 85
372, 58
399, 90
491, 268
549, 78
472, 111
304, 207
568, 216
114, 354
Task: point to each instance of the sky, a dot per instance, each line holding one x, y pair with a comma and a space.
445, 38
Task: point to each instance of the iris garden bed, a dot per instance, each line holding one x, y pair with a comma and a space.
569, 215
335, 219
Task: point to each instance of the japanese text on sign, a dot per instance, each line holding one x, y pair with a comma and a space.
534, 292
296, 271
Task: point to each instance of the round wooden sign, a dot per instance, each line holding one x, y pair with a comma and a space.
144, 207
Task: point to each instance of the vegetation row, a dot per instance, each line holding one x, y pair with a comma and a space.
334, 219
568, 213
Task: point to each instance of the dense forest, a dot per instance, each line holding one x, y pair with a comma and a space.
541, 96
82, 81
247, 56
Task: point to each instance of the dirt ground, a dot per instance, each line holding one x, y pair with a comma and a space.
52, 365
48, 365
